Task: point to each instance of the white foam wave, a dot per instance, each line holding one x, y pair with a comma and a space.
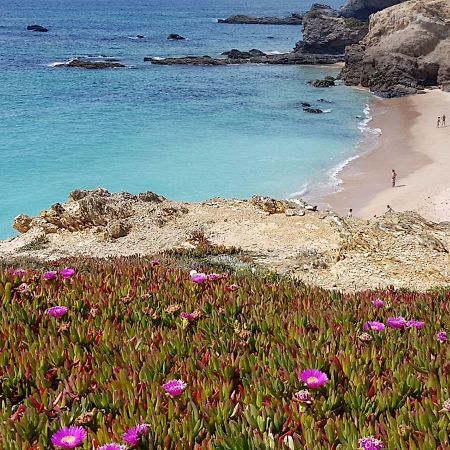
326, 110
274, 52
57, 63
303, 190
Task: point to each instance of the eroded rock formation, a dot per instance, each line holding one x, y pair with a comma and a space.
362, 9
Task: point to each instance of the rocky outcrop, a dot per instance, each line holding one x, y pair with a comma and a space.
175, 37
362, 9
237, 54
294, 19
88, 64
325, 32
326, 82
37, 28
245, 58
406, 49
313, 110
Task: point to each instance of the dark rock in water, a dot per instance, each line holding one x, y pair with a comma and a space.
322, 83
313, 110
237, 54
294, 19
270, 37
140, 36
362, 9
38, 28
86, 64
322, 100
329, 78
256, 52
305, 104
175, 37
246, 58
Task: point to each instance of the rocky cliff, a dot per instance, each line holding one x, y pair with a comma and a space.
407, 48
362, 9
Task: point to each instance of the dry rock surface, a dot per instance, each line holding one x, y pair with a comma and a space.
292, 237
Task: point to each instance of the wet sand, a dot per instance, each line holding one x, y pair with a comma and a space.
411, 144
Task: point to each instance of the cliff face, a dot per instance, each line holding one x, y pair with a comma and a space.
362, 9
407, 48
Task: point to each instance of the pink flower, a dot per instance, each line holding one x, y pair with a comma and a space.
174, 387
214, 277
19, 272
314, 379
112, 446
396, 322
370, 443
155, 262
133, 435
441, 337
415, 324
57, 311
50, 275
67, 272
233, 287
199, 278
373, 326
188, 316
303, 396
69, 437
378, 303
23, 288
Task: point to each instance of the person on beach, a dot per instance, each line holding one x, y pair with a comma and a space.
350, 213
394, 177
443, 120
438, 122
389, 209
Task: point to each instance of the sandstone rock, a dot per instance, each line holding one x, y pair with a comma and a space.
290, 212
294, 19
362, 9
22, 223
270, 205
407, 48
117, 229
37, 28
175, 37
151, 197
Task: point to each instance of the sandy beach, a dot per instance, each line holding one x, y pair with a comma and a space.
411, 144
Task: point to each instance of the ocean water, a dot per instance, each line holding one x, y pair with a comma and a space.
189, 133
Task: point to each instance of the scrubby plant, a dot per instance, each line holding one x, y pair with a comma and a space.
140, 353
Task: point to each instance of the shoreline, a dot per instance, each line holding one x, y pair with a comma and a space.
411, 144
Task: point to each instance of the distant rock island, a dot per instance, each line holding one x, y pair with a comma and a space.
37, 28
89, 64
293, 19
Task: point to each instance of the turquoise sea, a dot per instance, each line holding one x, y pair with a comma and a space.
189, 133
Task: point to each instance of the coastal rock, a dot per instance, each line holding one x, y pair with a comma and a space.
140, 36
407, 49
294, 19
281, 59
22, 223
117, 229
324, 31
362, 9
37, 28
88, 64
326, 82
175, 37
313, 110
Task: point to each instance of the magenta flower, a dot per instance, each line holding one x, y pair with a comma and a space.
188, 316
441, 336
112, 446
303, 396
50, 275
214, 277
133, 435
373, 326
19, 272
313, 378
69, 437
155, 262
57, 311
396, 322
415, 324
67, 272
174, 387
199, 278
378, 303
370, 443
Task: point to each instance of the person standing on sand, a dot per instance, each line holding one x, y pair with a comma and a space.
438, 122
389, 209
443, 120
394, 177
350, 213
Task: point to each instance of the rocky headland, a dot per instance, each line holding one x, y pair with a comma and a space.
406, 49
291, 237
239, 19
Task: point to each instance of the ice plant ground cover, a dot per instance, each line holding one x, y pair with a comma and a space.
103, 365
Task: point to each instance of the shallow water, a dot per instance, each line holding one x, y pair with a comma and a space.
188, 133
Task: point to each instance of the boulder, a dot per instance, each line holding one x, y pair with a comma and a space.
313, 110
117, 229
175, 37
321, 83
407, 49
37, 28
22, 223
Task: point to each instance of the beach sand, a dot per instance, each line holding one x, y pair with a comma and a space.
411, 144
